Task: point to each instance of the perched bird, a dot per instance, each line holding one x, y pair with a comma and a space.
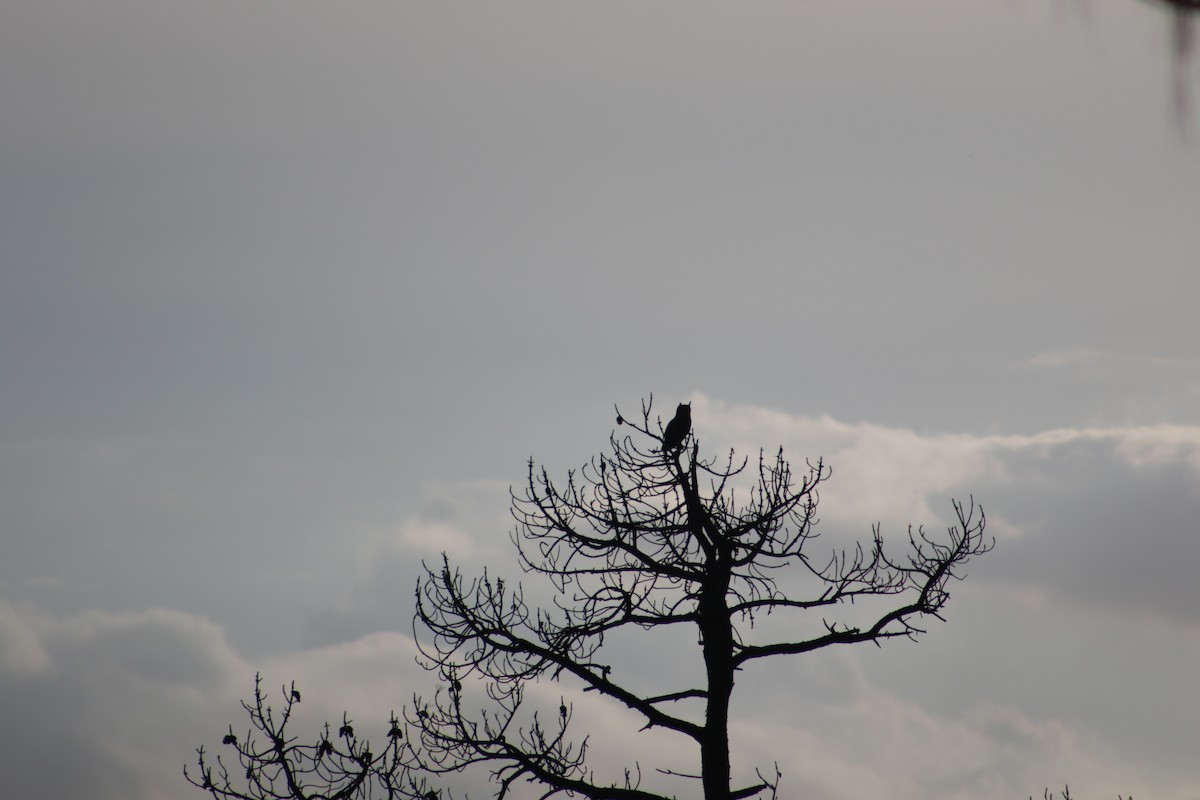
678, 428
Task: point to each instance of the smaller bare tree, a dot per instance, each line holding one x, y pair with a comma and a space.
1066, 795
273, 765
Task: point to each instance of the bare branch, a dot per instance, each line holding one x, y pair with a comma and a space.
273, 766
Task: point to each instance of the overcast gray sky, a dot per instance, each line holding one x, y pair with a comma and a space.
290, 291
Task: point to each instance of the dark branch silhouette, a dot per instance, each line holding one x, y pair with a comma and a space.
271, 765
1066, 795
647, 536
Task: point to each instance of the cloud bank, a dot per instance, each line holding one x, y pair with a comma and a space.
1068, 654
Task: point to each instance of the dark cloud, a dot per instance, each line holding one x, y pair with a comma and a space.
112, 705
1097, 528
115, 704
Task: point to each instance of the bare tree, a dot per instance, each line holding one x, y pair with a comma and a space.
271, 765
1066, 795
641, 539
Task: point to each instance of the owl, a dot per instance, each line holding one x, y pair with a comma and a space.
678, 428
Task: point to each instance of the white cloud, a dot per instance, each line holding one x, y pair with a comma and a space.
21, 652
468, 520
1158, 445
880, 473
437, 537
369, 676
1087, 512
465, 519
1053, 359
842, 732
1082, 356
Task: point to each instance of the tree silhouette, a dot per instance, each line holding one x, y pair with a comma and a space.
272, 766
1066, 795
644, 538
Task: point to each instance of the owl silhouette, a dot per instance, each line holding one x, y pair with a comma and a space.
678, 428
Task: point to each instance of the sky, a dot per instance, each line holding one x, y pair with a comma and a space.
290, 292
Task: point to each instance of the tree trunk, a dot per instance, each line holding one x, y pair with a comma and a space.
718, 660
716, 633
